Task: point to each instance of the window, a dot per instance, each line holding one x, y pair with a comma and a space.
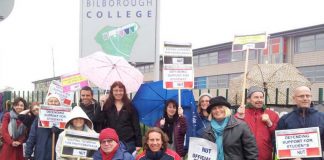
309, 43
213, 58
237, 56
195, 61
200, 82
313, 73
203, 60
224, 56
212, 82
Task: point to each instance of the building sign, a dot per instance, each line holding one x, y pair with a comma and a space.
200, 148
298, 143
50, 116
79, 144
243, 42
177, 66
73, 82
124, 28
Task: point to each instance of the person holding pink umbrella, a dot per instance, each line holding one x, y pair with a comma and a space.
118, 113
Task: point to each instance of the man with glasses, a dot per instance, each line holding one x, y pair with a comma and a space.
304, 115
90, 106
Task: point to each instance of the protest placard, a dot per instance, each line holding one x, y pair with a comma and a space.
79, 144
73, 82
56, 88
201, 149
50, 116
177, 66
298, 143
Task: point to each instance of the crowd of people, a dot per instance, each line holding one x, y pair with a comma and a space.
247, 134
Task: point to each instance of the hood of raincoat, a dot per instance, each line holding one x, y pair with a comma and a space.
77, 112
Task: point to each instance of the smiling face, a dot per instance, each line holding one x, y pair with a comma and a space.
53, 101
19, 107
118, 93
78, 123
256, 99
204, 102
108, 145
171, 110
86, 97
302, 97
154, 141
218, 112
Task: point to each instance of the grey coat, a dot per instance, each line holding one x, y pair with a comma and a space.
238, 141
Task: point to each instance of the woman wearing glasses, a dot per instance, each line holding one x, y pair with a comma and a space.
118, 113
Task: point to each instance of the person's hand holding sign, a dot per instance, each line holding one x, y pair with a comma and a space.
180, 111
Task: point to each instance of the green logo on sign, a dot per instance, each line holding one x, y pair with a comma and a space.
118, 41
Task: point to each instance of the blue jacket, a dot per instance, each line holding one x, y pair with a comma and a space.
202, 123
43, 138
121, 154
294, 120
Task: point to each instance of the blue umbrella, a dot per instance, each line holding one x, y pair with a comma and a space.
150, 100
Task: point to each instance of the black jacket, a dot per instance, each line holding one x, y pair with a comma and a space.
125, 123
238, 141
91, 113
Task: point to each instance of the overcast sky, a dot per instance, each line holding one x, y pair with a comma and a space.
35, 27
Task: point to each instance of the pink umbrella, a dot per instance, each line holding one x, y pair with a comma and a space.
103, 70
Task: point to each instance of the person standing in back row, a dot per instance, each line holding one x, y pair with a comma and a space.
304, 115
118, 113
261, 120
90, 106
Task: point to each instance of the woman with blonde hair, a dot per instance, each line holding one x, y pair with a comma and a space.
232, 136
155, 146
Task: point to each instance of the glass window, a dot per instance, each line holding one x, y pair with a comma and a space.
224, 56
222, 81
195, 61
313, 73
305, 44
213, 58
320, 42
237, 56
151, 68
203, 60
212, 82
200, 82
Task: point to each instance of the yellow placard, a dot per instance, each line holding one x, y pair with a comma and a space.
247, 39
72, 80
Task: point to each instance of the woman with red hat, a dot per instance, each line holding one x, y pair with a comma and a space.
110, 148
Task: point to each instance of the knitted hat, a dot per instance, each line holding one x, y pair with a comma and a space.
205, 94
108, 133
216, 101
253, 89
53, 96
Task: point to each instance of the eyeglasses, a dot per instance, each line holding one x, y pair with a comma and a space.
303, 96
118, 90
109, 141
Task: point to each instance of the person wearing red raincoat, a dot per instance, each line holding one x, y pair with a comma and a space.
13, 132
261, 120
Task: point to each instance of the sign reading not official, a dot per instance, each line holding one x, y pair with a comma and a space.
177, 66
298, 143
200, 148
79, 144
